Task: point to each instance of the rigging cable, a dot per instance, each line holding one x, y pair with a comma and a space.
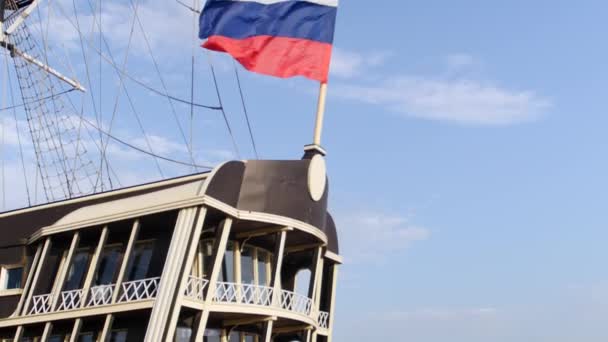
133, 78
162, 81
238, 81
121, 85
120, 141
193, 9
18, 131
219, 98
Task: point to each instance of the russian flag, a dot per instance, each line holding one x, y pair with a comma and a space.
282, 38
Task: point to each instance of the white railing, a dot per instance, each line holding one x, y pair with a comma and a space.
295, 302
256, 295
195, 288
323, 320
243, 294
70, 300
41, 304
101, 295
139, 290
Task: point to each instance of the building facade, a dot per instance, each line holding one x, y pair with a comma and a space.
244, 253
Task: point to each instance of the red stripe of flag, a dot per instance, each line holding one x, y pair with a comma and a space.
277, 56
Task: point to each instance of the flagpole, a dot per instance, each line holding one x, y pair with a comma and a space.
320, 114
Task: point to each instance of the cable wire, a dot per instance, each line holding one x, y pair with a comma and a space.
122, 142
238, 81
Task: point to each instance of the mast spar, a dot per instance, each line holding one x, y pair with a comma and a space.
63, 163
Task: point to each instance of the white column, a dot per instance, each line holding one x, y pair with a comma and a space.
105, 331
268, 332
221, 241
45, 252
278, 265
125, 260
169, 282
94, 265
193, 252
332, 305
28, 282
67, 263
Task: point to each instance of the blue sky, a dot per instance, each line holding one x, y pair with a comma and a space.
466, 154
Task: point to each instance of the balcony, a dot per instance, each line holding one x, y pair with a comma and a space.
256, 296
130, 292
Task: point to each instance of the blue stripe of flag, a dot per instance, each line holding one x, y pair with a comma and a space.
245, 19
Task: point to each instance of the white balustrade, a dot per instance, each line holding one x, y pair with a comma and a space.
195, 288
70, 300
139, 290
323, 320
243, 294
41, 304
101, 295
295, 302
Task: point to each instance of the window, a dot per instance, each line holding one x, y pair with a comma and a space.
118, 336
11, 277
183, 334
77, 271
247, 266
57, 338
108, 265
262, 267
140, 260
87, 337
227, 274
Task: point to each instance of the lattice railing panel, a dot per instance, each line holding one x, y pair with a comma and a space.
295, 302
41, 304
139, 290
195, 288
70, 300
101, 295
323, 320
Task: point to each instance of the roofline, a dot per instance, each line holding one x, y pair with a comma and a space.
134, 188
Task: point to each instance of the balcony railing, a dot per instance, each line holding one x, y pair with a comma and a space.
243, 294
131, 291
195, 288
41, 304
70, 300
137, 290
323, 320
296, 302
248, 294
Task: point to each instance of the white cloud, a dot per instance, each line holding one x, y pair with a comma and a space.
462, 100
374, 236
458, 96
348, 64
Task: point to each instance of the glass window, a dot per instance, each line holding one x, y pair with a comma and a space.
57, 338
207, 258
108, 265
118, 336
235, 337
262, 262
303, 282
140, 260
183, 334
212, 335
247, 266
228, 264
11, 278
77, 271
86, 337
249, 338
